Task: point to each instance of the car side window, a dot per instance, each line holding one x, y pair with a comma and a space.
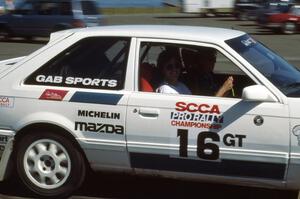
89, 8
296, 11
26, 8
65, 8
203, 71
96, 62
47, 8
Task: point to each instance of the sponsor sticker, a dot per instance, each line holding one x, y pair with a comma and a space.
196, 115
99, 128
76, 81
51, 94
98, 114
248, 42
7, 102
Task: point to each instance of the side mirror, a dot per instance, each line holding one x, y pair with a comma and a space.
258, 93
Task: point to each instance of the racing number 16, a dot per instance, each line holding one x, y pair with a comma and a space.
202, 146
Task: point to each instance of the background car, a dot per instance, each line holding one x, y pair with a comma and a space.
255, 9
244, 9
287, 23
41, 17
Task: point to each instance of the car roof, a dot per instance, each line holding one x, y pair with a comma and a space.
192, 33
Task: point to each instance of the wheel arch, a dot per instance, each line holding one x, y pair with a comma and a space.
53, 128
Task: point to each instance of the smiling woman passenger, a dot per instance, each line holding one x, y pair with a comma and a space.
170, 68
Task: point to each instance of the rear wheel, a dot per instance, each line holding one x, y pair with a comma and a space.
289, 28
49, 164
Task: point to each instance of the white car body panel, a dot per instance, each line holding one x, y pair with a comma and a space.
292, 179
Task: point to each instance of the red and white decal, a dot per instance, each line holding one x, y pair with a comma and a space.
51, 94
197, 115
201, 108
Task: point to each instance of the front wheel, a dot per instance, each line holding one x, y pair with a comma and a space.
49, 164
289, 28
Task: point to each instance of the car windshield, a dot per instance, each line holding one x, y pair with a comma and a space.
283, 75
295, 10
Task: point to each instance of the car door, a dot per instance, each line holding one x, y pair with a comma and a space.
83, 89
202, 134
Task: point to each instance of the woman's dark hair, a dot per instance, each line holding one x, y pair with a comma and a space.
167, 55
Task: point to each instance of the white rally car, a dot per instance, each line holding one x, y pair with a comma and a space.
87, 100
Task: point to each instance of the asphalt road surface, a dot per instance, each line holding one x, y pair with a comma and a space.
125, 186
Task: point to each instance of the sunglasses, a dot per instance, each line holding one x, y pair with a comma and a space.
172, 66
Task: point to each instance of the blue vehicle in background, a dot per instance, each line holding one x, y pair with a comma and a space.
255, 9
39, 18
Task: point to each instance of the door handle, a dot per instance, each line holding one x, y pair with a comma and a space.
149, 112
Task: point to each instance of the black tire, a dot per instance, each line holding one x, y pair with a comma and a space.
289, 28
49, 164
